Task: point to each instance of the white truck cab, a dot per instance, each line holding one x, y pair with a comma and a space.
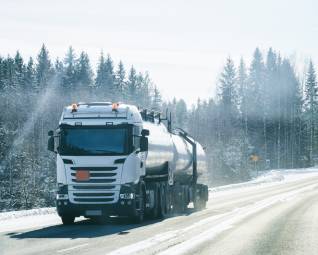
99, 160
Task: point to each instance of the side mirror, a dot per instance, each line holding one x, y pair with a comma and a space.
143, 143
50, 142
145, 132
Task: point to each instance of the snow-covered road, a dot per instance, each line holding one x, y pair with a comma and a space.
276, 213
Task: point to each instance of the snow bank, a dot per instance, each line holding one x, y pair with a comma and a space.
24, 213
271, 177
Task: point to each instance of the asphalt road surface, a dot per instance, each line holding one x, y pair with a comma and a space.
277, 218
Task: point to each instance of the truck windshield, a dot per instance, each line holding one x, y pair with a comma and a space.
94, 141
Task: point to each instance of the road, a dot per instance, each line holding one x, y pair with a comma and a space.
275, 218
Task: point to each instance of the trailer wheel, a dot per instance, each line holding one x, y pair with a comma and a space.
200, 197
169, 199
163, 202
199, 204
153, 213
68, 219
179, 200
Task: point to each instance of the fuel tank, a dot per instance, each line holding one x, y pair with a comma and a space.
172, 150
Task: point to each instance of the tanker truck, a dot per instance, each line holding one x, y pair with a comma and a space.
113, 159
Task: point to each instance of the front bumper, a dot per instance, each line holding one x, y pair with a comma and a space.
125, 206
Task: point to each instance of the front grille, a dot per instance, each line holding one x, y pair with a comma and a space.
95, 181
112, 168
101, 188
93, 200
92, 187
98, 174
93, 194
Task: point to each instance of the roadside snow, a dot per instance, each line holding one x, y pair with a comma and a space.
25, 213
271, 177
18, 220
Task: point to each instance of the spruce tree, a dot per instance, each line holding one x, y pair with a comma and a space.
132, 85
29, 76
43, 69
228, 98
69, 74
120, 82
311, 104
84, 73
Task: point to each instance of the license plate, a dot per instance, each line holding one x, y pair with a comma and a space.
93, 212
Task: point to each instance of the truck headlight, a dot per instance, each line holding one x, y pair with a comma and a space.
62, 188
127, 196
61, 196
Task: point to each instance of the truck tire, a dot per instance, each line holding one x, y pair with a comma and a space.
68, 219
162, 210
179, 200
200, 197
199, 204
154, 212
140, 206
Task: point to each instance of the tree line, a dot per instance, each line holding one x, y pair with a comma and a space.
32, 96
262, 116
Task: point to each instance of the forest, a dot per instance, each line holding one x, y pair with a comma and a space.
263, 116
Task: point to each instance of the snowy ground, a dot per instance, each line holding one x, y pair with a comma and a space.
288, 196
272, 177
43, 216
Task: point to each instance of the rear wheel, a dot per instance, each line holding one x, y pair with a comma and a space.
179, 200
68, 219
199, 204
163, 208
200, 197
154, 212
140, 207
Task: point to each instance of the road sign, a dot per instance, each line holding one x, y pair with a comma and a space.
254, 158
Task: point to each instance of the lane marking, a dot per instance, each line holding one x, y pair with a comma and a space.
72, 248
235, 215
210, 234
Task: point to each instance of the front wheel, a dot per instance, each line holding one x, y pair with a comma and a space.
68, 219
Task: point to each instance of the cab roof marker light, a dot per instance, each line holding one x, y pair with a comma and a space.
74, 108
115, 107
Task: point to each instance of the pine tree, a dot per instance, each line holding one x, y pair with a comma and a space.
43, 69
69, 74
242, 80
105, 78
19, 69
181, 113
109, 79
228, 98
156, 99
255, 106
84, 73
29, 76
311, 104
132, 85
120, 82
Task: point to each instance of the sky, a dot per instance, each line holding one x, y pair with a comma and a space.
183, 44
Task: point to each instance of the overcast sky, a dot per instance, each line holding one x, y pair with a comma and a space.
183, 44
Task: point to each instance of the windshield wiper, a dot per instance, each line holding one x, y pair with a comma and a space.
106, 151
